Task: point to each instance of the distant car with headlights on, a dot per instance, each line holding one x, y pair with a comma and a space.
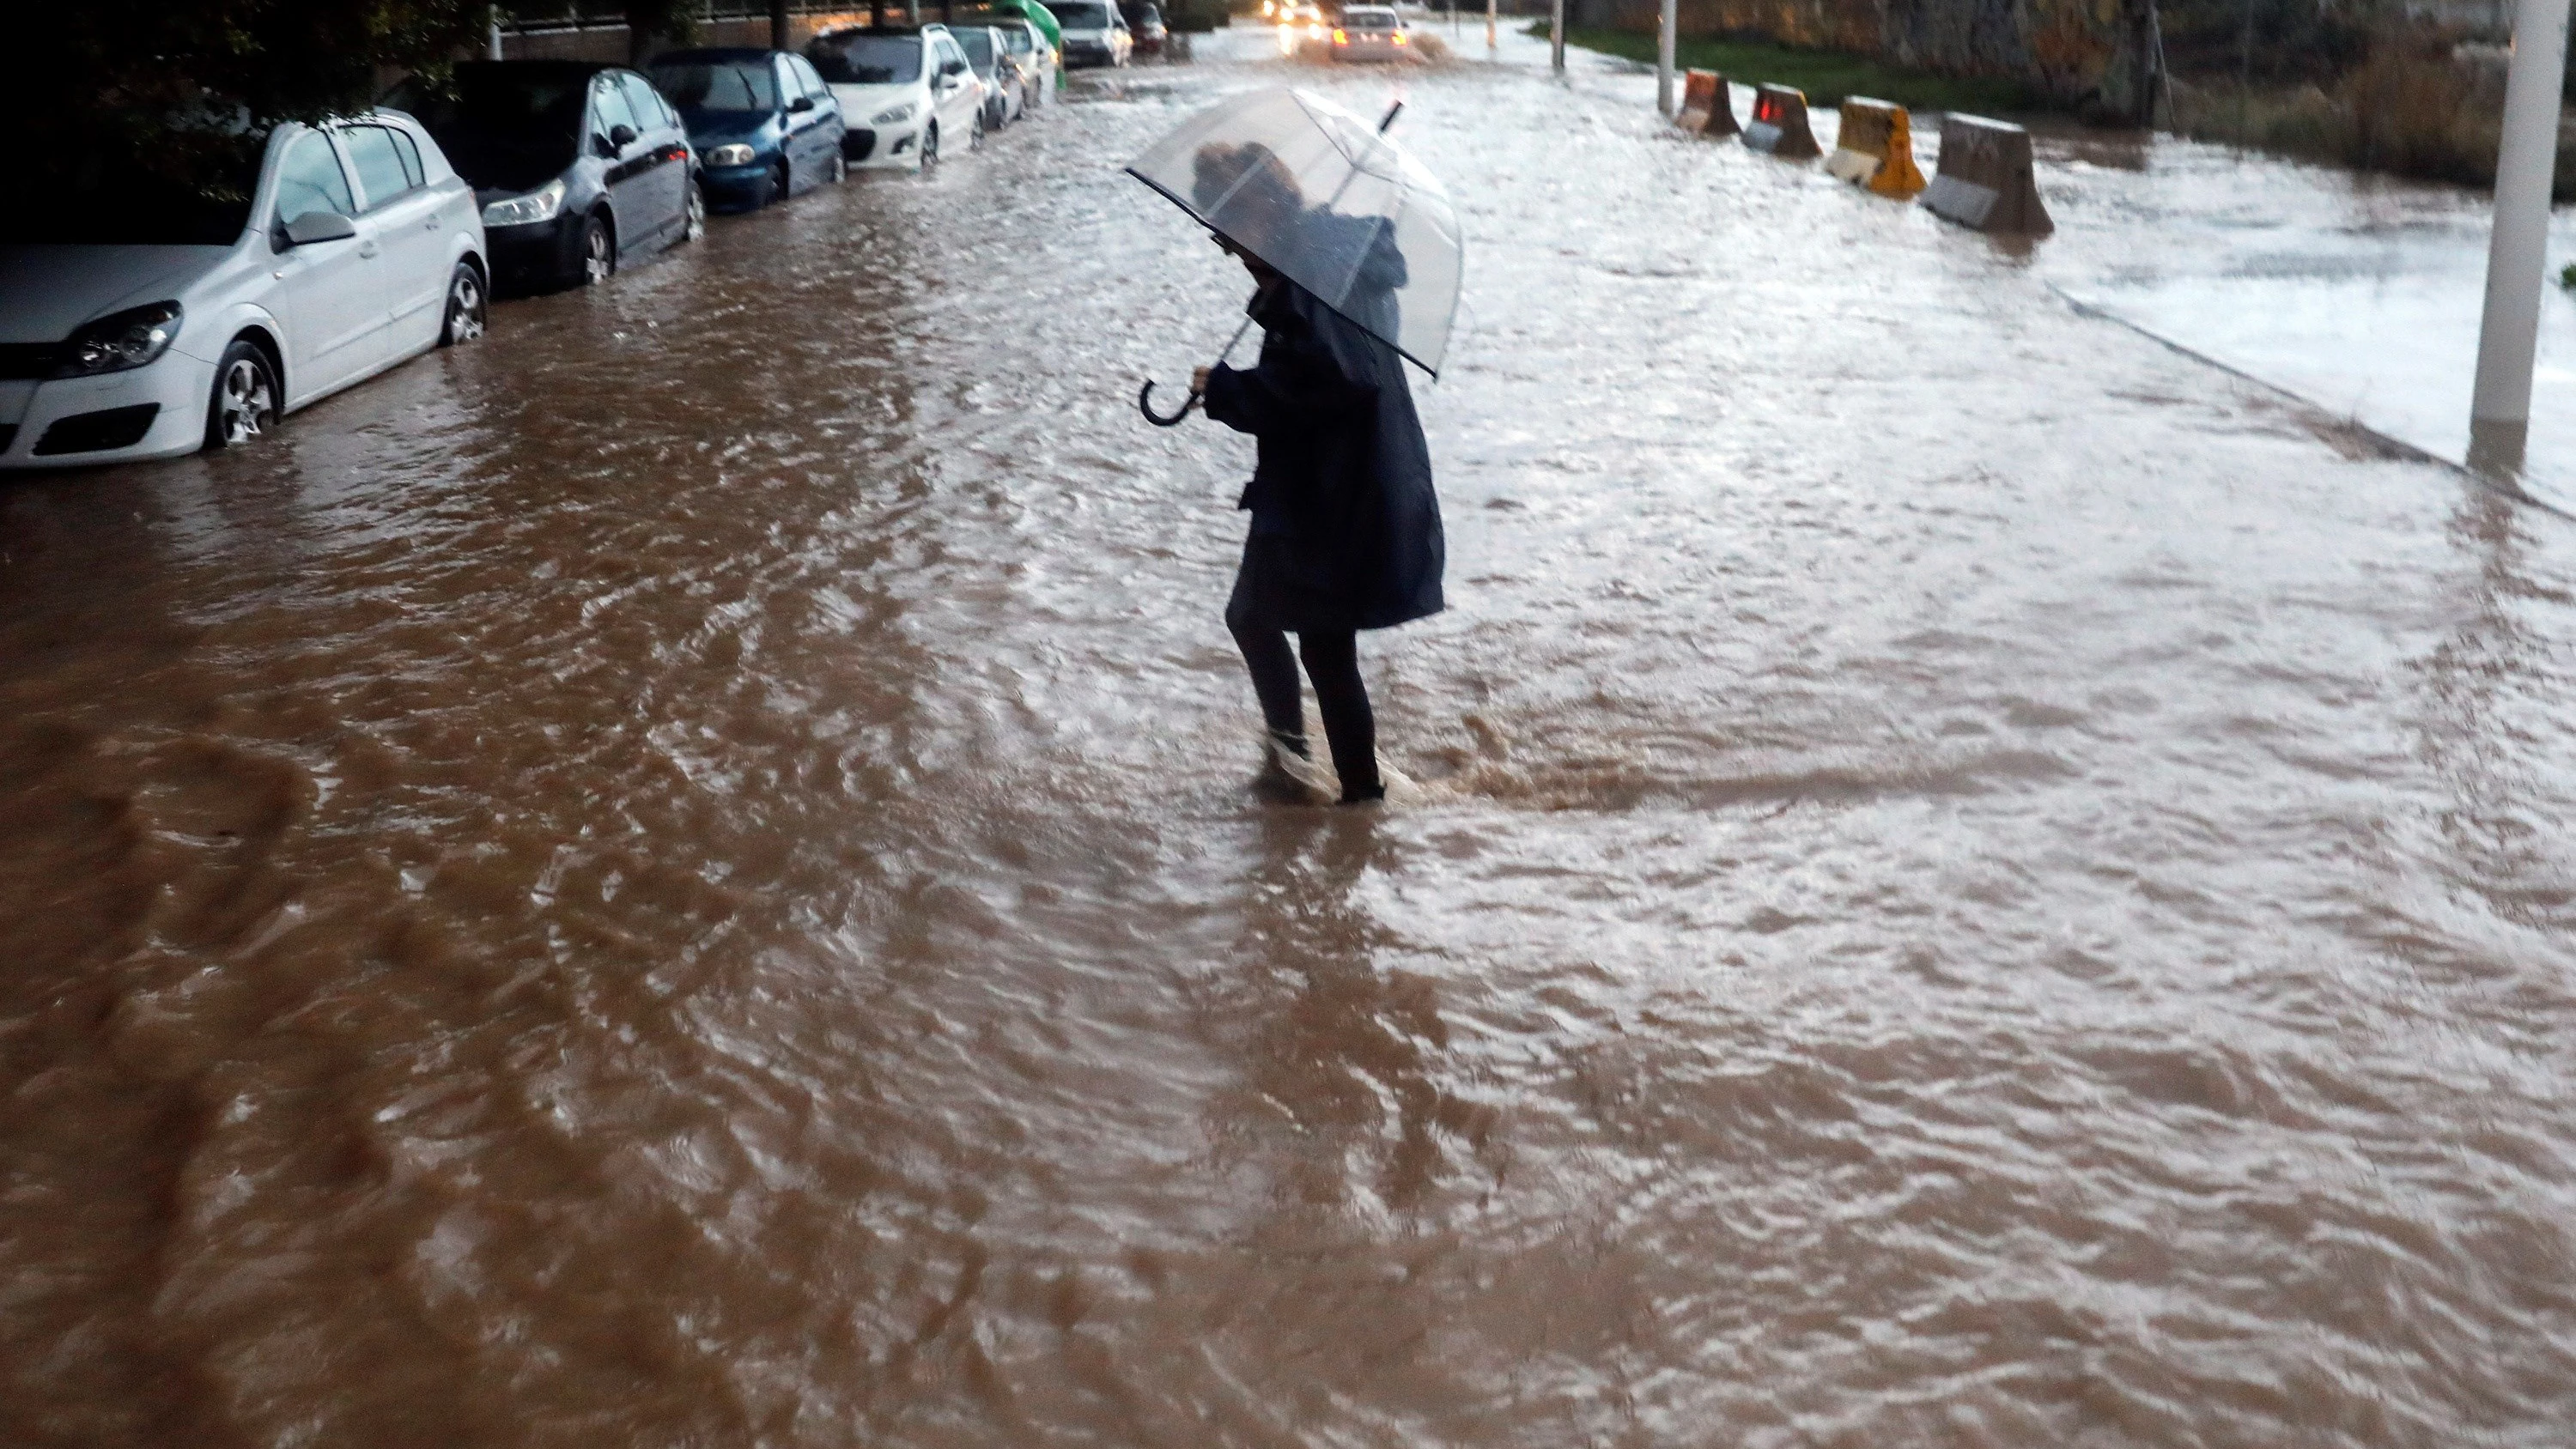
764, 124
906, 92
1302, 31
1094, 32
580, 167
142, 318
1371, 33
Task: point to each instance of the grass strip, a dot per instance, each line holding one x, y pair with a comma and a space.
1827, 76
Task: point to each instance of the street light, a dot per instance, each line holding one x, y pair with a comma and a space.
1665, 40
2509, 329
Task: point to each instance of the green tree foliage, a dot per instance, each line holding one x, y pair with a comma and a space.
182, 89
174, 87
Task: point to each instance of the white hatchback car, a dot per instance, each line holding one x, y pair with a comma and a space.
147, 320
907, 94
1095, 33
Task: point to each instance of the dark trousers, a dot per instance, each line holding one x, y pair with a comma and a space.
1333, 663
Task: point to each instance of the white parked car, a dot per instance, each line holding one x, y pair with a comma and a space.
146, 320
1094, 32
906, 93
1036, 57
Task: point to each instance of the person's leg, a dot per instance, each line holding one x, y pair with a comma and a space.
1274, 673
1333, 663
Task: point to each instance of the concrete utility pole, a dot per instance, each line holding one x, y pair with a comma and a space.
1556, 36
1665, 42
1489, 24
2509, 331
778, 25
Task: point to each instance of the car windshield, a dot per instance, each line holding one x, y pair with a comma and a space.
1073, 15
100, 200
867, 60
719, 86
503, 124
979, 47
1368, 19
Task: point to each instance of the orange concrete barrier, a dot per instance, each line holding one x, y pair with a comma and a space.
1707, 107
1985, 178
1876, 149
1779, 124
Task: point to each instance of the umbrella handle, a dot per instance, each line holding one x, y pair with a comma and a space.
1145, 405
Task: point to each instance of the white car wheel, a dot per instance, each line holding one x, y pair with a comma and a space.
467, 307
245, 400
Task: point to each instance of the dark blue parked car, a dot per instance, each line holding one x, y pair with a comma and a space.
763, 123
579, 167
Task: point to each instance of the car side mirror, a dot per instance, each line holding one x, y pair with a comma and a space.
602, 147
801, 103
319, 226
621, 136
954, 67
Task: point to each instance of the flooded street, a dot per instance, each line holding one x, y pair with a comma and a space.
688, 875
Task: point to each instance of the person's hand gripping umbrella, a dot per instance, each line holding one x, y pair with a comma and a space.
1326, 200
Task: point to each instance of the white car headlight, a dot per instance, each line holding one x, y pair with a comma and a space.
894, 115
538, 205
728, 155
120, 341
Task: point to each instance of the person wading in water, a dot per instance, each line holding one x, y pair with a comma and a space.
1345, 532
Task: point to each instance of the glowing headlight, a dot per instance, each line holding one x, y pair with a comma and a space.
538, 205
120, 341
894, 115
728, 155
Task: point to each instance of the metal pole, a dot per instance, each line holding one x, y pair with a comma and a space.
778, 24
1489, 24
2509, 330
492, 39
1666, 40
1556, 36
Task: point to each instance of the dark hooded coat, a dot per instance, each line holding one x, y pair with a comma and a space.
1345, 526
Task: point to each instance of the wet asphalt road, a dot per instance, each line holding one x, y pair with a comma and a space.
689, 875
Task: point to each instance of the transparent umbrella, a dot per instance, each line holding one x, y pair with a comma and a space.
1326, 200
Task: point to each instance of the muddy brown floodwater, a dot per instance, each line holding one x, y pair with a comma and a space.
687, 875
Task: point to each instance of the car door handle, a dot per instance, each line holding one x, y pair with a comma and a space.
430, 225
368, 248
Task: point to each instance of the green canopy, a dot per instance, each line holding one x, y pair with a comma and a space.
1038, 15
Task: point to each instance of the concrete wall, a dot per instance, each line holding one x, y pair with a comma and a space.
2088, 55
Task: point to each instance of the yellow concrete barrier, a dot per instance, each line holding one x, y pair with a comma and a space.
1985, 178
1779, 124
1708, 109
1876, 148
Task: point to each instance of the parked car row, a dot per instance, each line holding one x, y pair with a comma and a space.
140, 318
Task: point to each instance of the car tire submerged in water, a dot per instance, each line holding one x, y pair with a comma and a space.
975, 138
244, 404
930, 145
839, 170
598, 253
693, 223
781, 182
469, 306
